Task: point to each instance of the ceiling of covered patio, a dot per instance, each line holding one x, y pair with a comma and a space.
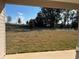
68, 4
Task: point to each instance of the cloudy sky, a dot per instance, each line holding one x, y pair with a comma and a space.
24, 12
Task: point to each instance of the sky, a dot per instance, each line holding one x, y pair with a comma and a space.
25, 13
19, 11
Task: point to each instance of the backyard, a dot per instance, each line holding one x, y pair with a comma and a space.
41, 40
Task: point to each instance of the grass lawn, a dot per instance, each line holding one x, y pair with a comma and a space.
43, 40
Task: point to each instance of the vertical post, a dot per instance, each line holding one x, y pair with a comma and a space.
2, 30
77, 47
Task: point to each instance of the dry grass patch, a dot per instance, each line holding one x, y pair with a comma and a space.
44, 40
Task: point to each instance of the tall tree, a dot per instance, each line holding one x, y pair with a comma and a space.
19, 21
9, 19
75, 20
27, 22
48, 14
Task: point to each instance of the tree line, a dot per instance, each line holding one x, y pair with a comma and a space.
54, 18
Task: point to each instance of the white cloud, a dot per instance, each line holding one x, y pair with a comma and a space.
20, 13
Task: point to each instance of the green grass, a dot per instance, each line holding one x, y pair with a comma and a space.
44, 40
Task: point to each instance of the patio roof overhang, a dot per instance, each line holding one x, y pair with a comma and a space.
68, 4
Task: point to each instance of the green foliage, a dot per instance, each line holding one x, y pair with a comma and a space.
51, 17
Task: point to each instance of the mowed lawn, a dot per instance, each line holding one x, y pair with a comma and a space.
43, 40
